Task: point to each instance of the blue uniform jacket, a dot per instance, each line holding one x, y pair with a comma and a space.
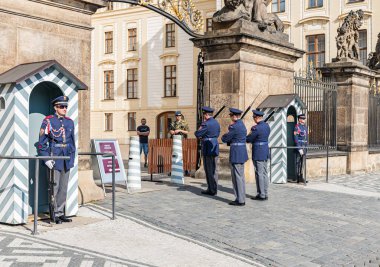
259, 138
300, 136
57, 136
236, 136
209, 132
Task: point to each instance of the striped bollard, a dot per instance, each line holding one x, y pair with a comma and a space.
134, 168
177, 161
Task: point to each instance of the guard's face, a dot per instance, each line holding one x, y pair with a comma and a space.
302, 121
61, 110
234, 117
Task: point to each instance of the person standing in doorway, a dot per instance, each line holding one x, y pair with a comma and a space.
143, 132
236, 137
209, 132
57, 138
300, 139
179, 126
259, 136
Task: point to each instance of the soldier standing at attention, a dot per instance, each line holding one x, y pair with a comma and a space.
236, 137
300, 139
179, 126
209, 132
57, 138
260, 153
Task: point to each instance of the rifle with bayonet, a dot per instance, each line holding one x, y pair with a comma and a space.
51, 183
250, 106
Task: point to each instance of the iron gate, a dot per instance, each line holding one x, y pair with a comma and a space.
320, 97
374, 117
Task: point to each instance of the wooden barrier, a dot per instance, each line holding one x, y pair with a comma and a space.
160, 155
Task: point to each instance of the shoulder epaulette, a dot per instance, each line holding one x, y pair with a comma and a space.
68, 118
49, 117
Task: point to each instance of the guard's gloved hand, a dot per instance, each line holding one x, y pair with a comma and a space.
50, 164
301, 152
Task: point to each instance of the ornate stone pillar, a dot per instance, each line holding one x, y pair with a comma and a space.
353, 79
241, 61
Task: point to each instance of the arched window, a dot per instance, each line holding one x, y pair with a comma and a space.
2, 103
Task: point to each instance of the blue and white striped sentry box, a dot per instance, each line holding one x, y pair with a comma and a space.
177, 161
26, 91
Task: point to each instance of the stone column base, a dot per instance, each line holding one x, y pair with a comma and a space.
87, 189
357, 162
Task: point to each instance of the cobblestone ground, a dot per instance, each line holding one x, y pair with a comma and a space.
295, 227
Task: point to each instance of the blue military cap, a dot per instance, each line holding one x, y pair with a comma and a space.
302, 116
236, 111
178, 113
207, 109
61, 100
258, 113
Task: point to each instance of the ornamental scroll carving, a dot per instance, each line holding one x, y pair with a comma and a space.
251, 10
347, 41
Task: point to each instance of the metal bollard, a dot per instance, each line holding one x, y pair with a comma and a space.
177, 161
134, 168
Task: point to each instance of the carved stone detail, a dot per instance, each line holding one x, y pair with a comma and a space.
347, 41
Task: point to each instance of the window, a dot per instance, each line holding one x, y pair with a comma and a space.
278, 6
131, 121
108, 42
132, 77
363, 46
355, 1
315, 3
108, 84
170, 81
2, 103
170, 35
316, 49
108, 121
208, 24
132, 39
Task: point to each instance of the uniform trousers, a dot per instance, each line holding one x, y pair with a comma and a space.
238, 181
261, 175
299, 166
61, 180
209, 164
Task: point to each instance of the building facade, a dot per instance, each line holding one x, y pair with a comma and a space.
144, 66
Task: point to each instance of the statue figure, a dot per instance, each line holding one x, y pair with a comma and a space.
251, 10
373, 61
347, 41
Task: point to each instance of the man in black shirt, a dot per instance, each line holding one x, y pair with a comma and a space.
143, 132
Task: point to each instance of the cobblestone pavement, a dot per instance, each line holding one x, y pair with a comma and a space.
367, 182
295, 227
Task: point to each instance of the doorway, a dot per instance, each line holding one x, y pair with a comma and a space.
163, 122
39, 107
291, 155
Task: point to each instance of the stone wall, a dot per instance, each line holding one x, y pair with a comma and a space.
316, 167
41, 30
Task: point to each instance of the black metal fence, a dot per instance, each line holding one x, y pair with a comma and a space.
320, 97
374, 118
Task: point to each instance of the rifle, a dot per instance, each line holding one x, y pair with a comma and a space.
51, 184
219, 111
250, 106
269, 116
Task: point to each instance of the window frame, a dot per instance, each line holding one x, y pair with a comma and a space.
170, 35
316, 4
107, 84
316, 52
108, 122
134, 82
278, 4
108, 42
364, 48
172, 80
132, 39
130, 128
208, 27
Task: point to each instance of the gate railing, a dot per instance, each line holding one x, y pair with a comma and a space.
374, 120
320, 97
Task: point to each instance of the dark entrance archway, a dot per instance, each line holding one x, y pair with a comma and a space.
39, 107
291, 120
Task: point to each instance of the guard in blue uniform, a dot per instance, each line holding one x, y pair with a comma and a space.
259, 136
57, 138
236, 138
300, 139
209, 132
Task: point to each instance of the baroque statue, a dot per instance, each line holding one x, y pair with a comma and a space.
373, 61
347, 41
251, 10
